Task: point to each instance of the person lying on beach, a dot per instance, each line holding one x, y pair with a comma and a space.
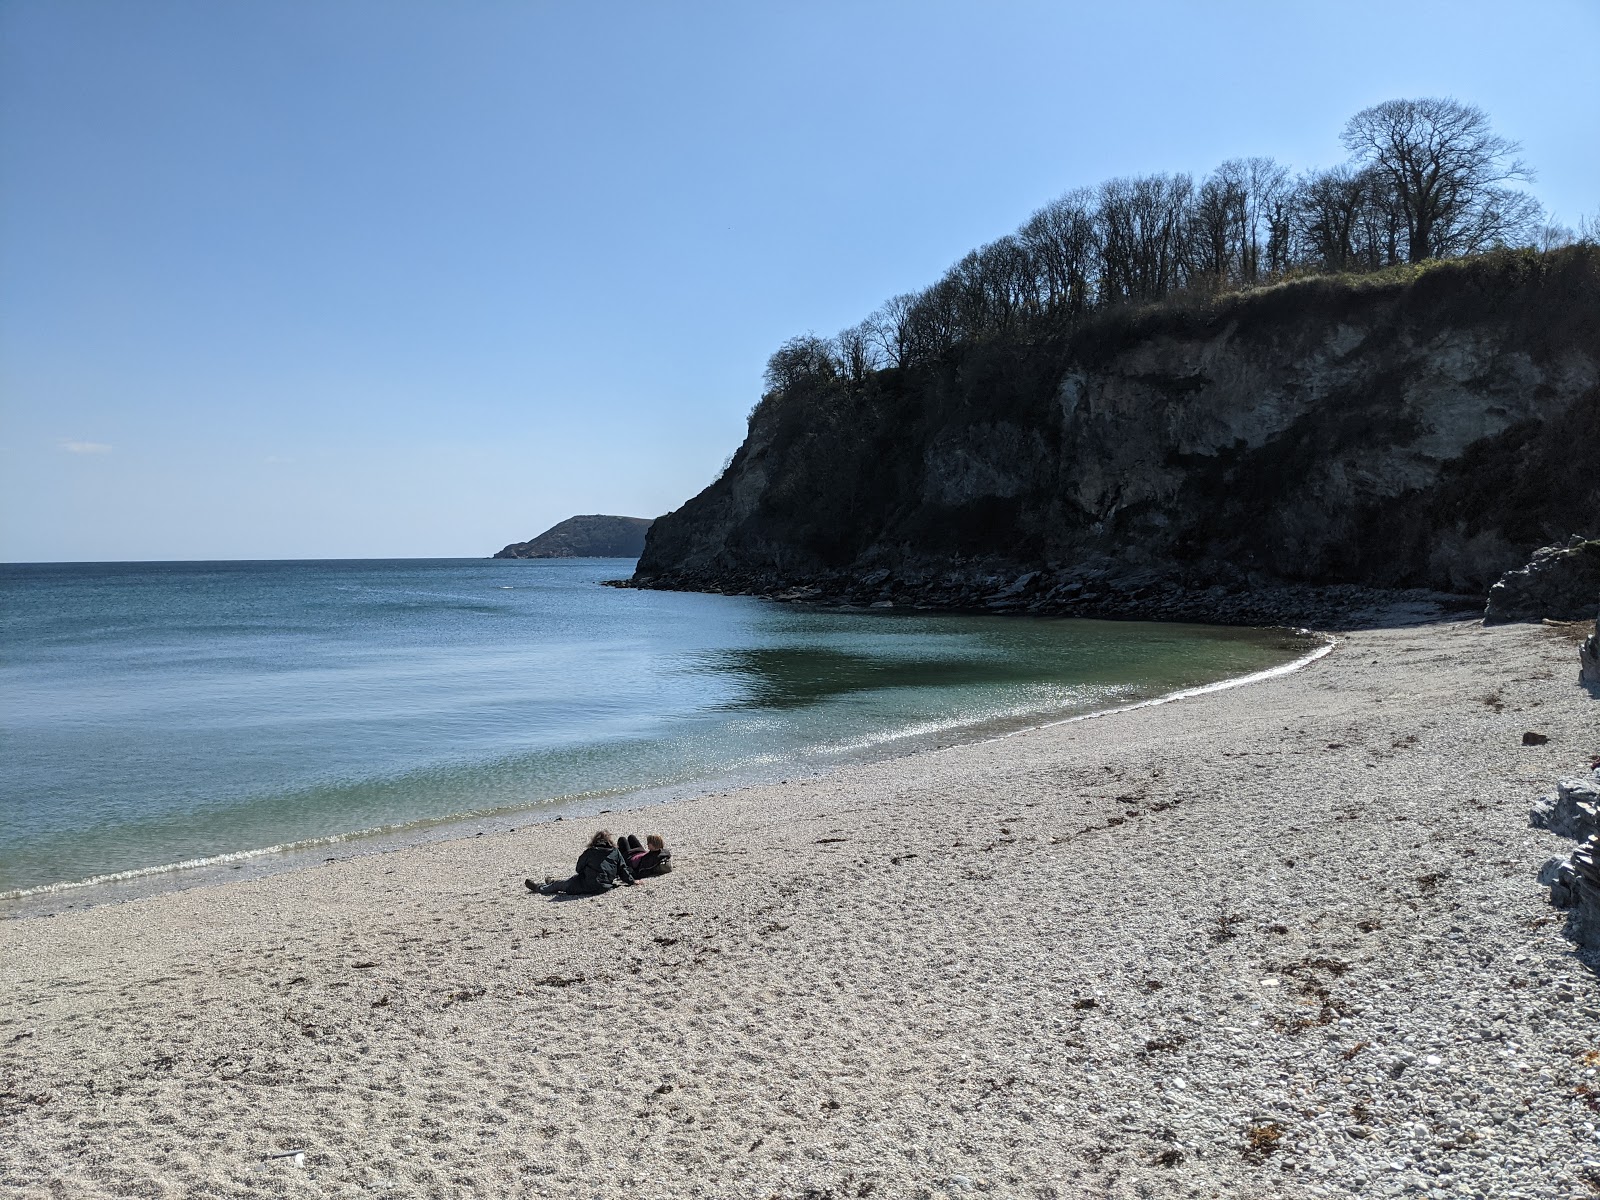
649, 857
601, 867
656, 860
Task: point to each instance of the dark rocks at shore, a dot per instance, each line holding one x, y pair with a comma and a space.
1561, 583
594, 536
1102, 592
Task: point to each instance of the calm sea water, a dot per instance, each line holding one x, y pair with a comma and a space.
160, 713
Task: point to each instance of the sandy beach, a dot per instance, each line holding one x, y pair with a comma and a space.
1283, 940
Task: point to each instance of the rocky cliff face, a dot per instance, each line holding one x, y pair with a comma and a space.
1428, 433
593, 536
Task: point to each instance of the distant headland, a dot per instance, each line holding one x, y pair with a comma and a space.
593, 536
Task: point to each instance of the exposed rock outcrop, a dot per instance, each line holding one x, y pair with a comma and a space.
1561, 582
1411, 434
1571, 811
585, 537
1574, 881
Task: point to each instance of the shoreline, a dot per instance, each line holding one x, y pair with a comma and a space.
52, 899
1282, 939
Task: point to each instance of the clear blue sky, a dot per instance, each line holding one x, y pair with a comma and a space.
370, 278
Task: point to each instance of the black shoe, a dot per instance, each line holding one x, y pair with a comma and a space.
531, 885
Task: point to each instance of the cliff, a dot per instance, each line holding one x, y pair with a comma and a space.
1425, 429
585, 537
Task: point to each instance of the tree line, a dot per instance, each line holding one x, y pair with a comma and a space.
1426, 179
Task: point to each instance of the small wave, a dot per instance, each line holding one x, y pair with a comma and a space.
1222, 685
189, 864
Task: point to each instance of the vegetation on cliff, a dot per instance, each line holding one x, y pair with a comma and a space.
1426, 181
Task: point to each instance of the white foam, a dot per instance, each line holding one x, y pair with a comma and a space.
1222, 685
189, 864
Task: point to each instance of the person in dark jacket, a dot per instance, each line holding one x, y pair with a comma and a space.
601, 867
656, 860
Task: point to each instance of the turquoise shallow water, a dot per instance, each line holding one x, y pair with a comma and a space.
159, 713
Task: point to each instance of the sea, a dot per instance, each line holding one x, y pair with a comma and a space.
163, 723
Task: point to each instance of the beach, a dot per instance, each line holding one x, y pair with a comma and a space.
1279, 940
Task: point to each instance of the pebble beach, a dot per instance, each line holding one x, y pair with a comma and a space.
1281, 940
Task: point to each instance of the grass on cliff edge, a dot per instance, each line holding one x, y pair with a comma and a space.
1456, 292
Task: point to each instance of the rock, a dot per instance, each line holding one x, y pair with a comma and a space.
1534, 739
1019, 585
1582, 888
1574, 882
592, 536
1561, 582
1572, 812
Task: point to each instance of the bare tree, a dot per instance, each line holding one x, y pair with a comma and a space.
993, 288
1502, 217
1142, 224
1328, 208
890, 329
1553, 235
801, 360
1215, 226
1260, 189
935, 320
858, 356
1062, 247
1443, 161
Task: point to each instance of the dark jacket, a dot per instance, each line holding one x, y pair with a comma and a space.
653, 862
601, 868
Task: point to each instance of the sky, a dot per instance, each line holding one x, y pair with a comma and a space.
382, 278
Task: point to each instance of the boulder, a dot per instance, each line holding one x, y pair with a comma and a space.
1572, 811
1561, 583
